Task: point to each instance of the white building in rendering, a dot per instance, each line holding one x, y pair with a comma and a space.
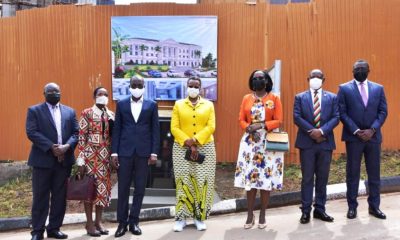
167, 52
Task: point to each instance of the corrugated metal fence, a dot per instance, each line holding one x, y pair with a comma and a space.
70, 45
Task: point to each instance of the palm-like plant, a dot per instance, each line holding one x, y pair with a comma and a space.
117, 45
142, 49
158, 50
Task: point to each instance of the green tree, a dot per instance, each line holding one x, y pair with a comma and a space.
158, 50
117, 46
209, 61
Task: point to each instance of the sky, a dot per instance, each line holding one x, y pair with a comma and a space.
199, 30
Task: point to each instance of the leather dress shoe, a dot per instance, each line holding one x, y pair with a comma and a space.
305, 218
121, 230
377, 213
38, 236
57, 235
351, 213
135, 229
322, 216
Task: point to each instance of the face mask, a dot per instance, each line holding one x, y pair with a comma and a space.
53, 98
193, 92
361, 76
315, 83
258, 84
102, 100
136, 92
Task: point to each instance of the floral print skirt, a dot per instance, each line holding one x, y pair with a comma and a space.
258, 168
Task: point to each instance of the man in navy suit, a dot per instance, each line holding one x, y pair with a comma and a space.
363, 111
135, 144
53, 130
316, 113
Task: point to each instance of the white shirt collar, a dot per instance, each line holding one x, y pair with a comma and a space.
139, 101
51, 106
313, 91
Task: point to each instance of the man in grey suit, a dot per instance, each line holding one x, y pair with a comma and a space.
316, 113
53, 131
363, 110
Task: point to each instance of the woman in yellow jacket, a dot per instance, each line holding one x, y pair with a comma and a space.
193, 125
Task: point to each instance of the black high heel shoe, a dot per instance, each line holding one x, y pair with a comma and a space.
101, 230
93, 234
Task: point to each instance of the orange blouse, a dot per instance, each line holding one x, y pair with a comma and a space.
273, 111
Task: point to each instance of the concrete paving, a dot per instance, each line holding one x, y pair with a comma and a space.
283, 223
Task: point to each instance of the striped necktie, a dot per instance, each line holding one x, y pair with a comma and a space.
317, 110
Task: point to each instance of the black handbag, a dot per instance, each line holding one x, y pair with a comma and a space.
199, 160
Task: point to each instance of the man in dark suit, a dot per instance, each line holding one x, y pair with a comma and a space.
135, 144
363, 111
53, 130
316, 113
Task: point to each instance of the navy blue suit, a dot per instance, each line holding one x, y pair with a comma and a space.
354, 115
315, 157
48, 175
134, 142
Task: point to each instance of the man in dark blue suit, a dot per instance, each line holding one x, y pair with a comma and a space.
135, 144
363, 111
53, 130
316, 113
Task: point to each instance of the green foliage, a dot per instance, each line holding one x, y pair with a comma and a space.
209, 61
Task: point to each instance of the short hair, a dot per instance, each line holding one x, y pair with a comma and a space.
136, 77
361, 61
269, 83
194, 78
96, 91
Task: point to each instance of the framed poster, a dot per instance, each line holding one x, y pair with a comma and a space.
165, 51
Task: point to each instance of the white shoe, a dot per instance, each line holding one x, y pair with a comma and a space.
179, 225
200, 225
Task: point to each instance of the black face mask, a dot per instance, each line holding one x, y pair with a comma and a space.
360, 76
53, 98
258, 84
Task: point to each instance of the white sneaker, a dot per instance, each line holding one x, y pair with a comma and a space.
179, 225
200, 225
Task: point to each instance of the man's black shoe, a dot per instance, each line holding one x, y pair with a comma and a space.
377, 213
135, 229
305, 218
121, 230
57, 234
351, 213
322, 216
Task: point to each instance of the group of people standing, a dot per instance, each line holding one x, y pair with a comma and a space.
128, 142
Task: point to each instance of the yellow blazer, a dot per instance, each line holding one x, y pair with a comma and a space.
188, 121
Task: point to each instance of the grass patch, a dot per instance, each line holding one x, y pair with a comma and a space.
16, 197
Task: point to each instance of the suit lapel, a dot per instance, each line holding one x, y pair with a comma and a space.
324, 99
63, 115
370, 93
310, 104
357, 92
144, 107
45, 109
129, 108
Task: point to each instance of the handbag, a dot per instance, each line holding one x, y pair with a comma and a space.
200, 157
81, 189
277, 141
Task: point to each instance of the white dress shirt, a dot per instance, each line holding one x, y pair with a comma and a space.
136, 108
56, 114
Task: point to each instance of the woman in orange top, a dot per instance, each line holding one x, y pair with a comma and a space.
258, 168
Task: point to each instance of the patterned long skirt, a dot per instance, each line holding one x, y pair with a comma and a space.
194, 183
258, 168
98, 165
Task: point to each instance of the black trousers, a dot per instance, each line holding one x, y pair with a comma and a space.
48, 186
314, 162
134, 168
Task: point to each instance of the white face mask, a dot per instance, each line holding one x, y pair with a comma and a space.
136, 92
102, 100
193, 92
315, 83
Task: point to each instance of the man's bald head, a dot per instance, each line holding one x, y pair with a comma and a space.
50, 87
